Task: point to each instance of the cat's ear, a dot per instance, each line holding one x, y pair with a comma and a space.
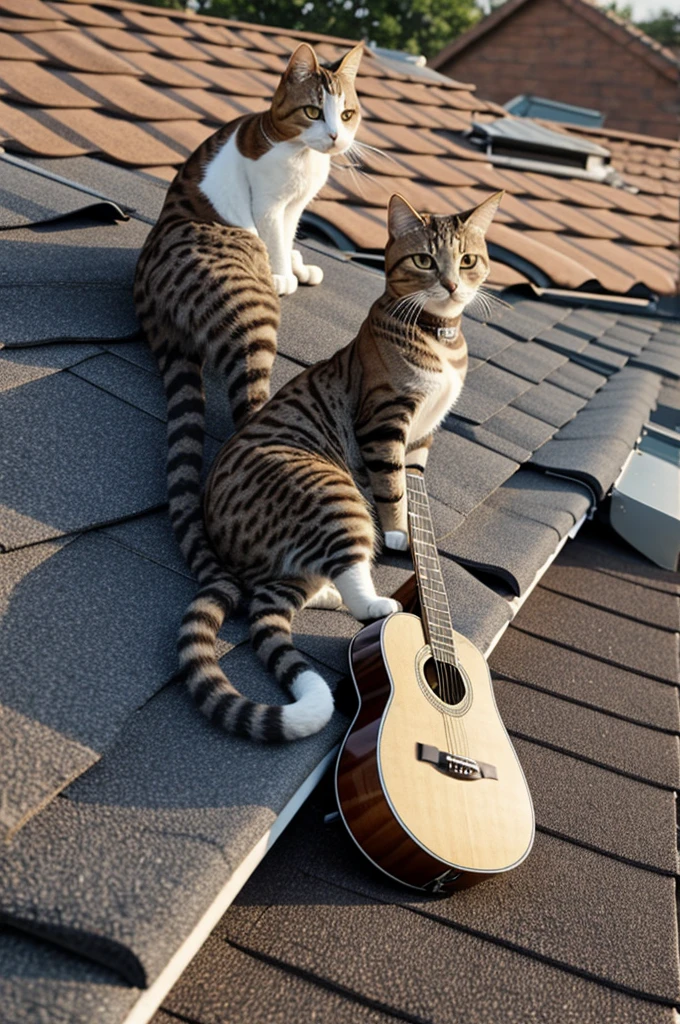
302, 64
401, 217
483, 214
349, 65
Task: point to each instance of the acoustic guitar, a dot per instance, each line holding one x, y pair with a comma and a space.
427, 780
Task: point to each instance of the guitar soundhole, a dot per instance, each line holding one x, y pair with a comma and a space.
446, 681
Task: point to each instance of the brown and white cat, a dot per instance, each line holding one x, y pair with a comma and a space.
289, 501
204, 288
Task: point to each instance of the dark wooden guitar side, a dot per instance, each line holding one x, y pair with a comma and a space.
427, 780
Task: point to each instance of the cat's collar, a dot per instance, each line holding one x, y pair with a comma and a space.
267, 139
446, 331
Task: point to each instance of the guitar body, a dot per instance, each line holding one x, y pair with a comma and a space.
431, 791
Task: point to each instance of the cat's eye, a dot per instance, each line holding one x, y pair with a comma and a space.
423, 261
468, 261
347, 115
313, 113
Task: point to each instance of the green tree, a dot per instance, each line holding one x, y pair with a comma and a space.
664, 26
417, 26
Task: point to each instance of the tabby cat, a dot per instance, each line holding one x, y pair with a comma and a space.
209, 272
289, 500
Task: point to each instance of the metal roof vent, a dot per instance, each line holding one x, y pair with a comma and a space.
645, 505
513, 142
551, 110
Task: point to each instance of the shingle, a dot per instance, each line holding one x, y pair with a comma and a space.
548, 403
131, 384
483, 340
561, 340
626, 599
669, 365
600, 809
576, 677
602, 360
624, 423
487, 390
78, 457
75, 51
503, 543
19, 366
27, 197
480, 435
72, 671
461, 474
476, 611
149, 840
520, 428
223, 979
579, 379
622, 746
603, 550
595, 461
631, 645
40, 982
69, 283
135, 190
528, 360
317, 321
547, 499
339, 897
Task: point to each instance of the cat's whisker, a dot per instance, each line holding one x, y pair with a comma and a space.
381, 152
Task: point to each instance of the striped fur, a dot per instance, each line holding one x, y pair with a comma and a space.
292, 499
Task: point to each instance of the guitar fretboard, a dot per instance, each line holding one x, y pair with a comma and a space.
433, 599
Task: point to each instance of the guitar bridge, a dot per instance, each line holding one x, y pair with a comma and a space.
456, 765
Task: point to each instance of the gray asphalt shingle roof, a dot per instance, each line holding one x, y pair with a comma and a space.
127, 812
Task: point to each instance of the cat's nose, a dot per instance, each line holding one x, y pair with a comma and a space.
450, 286
333, 135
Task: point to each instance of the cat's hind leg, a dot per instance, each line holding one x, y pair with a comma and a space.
327, 597
271, 613
358, 593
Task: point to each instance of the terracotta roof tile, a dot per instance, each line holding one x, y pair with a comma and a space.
175, 46
163, 72
254, 40
119, 39
85, 14
238, 57
583, 251
32, 83
120, 140
13, 48
158, 24
214, 106
30, 9
75, 51
126, 95
28, 25
231, 80
538, 248
38, 132
218, 34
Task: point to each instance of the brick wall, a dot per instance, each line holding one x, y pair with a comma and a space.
549, 49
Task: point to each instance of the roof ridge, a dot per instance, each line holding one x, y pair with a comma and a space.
189, 15
663, 59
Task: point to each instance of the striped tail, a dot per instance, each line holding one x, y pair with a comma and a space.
183, 382
218, 699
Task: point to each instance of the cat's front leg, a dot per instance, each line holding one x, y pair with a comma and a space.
384, 452
306, 273
416, 456
271, 225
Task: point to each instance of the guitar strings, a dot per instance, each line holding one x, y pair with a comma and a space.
448, 675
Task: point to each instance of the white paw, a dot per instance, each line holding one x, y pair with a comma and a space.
396, 540
306, 273
382, 606
285, 284
327, 597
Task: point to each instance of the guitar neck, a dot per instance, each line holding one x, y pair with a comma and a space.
433, 599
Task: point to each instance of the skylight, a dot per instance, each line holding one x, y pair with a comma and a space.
513, 142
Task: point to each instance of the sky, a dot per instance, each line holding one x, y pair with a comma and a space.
643, 8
